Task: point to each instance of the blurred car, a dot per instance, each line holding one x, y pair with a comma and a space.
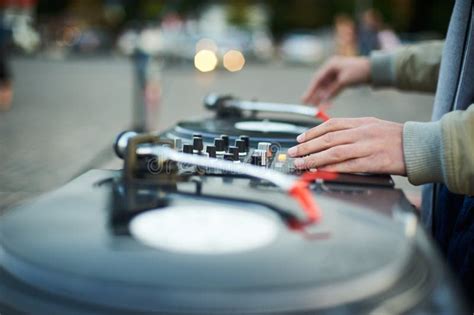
305, 47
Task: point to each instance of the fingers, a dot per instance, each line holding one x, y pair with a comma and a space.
321, 86
333, 124
315, 83
357, 165
326, 91
365, 164
332, 155
323, 142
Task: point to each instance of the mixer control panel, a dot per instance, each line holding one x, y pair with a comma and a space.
264, 154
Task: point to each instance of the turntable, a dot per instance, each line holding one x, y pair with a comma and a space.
234, 117
184, 229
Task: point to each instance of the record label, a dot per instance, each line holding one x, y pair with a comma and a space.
208, 230
267, 126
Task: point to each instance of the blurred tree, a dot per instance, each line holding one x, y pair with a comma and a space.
285, 16
305, 14
91, 11
430, 15
151, 9
238, 12
51, 7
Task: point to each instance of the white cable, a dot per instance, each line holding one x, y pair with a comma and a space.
285, 182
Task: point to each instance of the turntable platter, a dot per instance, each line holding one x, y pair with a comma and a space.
360, 254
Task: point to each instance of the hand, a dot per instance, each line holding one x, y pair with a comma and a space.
352, 145
336, 74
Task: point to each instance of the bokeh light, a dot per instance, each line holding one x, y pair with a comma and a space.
234, 60
205, 60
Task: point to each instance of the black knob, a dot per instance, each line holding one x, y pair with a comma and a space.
246, 139
256, 159
229, 157
240, 144
235, 151
219, 144
188, 148
198, 144
211, 150
226, 141
197, 135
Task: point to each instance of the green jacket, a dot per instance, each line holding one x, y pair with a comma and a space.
440, 151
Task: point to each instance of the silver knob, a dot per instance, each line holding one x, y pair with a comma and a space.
263, 155
265, 146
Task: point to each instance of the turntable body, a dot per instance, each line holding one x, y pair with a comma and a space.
165, 237
64, 251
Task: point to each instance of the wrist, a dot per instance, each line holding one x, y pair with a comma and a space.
382, 69
422, 150
366, 70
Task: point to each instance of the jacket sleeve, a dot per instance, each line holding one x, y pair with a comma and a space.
442, 151
410, 68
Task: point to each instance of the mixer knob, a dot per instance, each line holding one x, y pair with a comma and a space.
229, 157
256, 159
188, 148
234, 151
240, 144
263, 156
198, 144
246, 139
211, 151
219, 144
197, 135
226, 141
265, 146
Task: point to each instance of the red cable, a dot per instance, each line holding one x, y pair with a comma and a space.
323, 116
303, 195
301, 192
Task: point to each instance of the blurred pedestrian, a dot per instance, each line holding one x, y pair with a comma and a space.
148, 78
6, 91
15, 27
374, 34
346, 36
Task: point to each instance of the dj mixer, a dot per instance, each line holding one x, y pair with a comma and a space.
237, 135
211, 217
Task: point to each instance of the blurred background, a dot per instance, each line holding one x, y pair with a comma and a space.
75, 73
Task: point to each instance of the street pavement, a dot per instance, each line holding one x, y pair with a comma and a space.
66, 113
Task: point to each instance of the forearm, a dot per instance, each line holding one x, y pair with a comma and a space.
442, 151
413, 67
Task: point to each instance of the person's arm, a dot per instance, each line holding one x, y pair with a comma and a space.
442, 151
414, 67
407, 68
